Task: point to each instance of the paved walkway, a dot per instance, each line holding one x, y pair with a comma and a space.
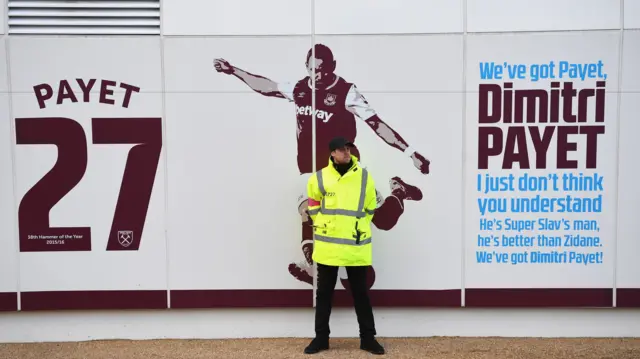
432, 348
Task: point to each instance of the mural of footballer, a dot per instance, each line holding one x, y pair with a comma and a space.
338, 103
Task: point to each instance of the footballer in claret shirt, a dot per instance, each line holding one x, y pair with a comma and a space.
338, 103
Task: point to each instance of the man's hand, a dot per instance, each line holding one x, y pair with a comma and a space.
222, 65
420, 162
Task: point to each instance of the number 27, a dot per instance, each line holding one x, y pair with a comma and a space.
35, 231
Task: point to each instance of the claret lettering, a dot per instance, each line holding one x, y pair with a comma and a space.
103, 90
515, 124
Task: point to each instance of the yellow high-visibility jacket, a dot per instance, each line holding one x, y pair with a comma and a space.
342, 208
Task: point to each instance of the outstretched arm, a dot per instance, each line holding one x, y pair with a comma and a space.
385, 132
358, 105
257, 83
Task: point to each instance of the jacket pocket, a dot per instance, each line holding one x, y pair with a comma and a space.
323, 224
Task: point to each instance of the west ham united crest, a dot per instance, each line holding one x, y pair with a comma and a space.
330, 100
125, 238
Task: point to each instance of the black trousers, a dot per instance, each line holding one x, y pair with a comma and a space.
326, 283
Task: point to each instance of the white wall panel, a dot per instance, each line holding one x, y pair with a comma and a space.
237, 17
388, 16
8, 239
233, 181
86, 192
529, 52
631, 14
420, 98
628, 273
630, 56
542, 15
3, 16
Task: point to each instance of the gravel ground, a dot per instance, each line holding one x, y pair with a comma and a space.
432, 348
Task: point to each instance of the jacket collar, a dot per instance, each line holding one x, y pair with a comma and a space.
354, 161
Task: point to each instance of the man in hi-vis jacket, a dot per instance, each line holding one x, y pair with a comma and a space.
342, 199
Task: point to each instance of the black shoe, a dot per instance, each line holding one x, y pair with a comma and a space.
371, 345
317, 345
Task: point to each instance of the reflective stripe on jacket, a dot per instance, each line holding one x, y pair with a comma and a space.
341, 208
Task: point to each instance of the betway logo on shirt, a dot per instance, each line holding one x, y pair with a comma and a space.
320, 114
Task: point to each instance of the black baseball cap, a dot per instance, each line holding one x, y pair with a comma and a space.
339, 142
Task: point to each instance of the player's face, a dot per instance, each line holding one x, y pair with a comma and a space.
342, 155
320, 73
